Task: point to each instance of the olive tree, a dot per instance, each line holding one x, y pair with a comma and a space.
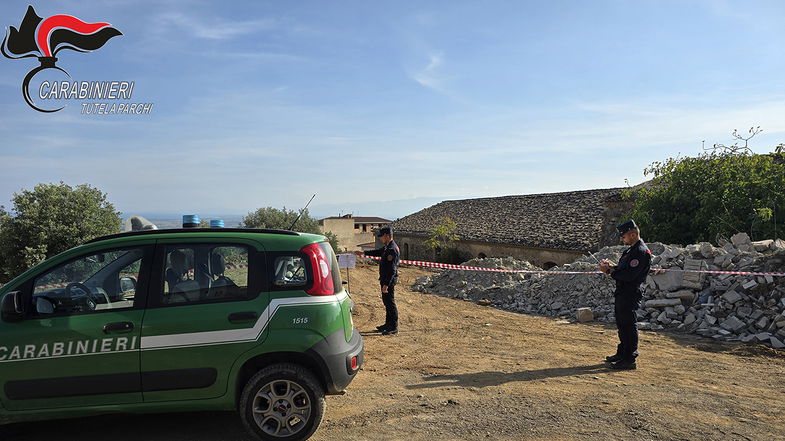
50, 219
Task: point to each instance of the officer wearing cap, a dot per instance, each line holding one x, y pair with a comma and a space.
630, 273
388, 276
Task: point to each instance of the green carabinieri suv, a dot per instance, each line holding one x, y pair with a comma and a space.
177, 320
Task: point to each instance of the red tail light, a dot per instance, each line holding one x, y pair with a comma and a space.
320, 267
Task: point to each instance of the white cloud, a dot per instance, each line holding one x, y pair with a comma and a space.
214, 28
430, 75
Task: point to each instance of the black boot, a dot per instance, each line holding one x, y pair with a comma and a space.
625, 364
613, 358
390, 331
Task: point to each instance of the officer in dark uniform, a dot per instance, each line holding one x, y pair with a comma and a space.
630, 273
388, 276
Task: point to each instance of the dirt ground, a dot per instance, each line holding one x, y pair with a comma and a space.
460, 371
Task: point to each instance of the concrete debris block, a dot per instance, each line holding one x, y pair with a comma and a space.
749, 285
755, 315
671, 313
746, 338
776, 343
744, 311
780, 324
762, 245
710, 319
778, 244
692, 278
740, 239
763, 337
584, 315
668, 281
690, 319
679, 309
733, 323
556, 305
663, 318
685, 294
706, 249
731, 297
769, 279
763, 323
644, 326
671, 252
661, 303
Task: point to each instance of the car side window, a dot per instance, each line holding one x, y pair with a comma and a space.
93, 283
289, 271
205, 272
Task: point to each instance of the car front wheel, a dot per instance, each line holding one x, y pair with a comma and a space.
282, 402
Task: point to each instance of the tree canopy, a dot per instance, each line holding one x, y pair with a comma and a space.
49, 220
282, 219
716, 194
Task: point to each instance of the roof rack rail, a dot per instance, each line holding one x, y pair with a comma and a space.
194, 230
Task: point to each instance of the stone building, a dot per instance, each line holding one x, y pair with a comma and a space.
352, 231
546, 229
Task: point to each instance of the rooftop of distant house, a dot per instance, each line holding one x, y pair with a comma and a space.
361, 219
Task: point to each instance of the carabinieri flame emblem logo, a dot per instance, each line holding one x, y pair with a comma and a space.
44, 38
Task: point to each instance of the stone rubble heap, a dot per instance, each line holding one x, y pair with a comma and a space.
721, 306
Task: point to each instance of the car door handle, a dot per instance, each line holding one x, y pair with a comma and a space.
244, 316
118, 327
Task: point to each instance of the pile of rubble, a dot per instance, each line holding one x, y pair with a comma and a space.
726, 307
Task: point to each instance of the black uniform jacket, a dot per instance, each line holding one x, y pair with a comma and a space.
388, 266
632, 270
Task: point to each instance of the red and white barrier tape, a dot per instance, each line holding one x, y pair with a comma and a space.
479, 268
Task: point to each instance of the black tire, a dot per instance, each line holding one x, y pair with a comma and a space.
282, 402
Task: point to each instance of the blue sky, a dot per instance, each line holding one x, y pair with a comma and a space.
263, 103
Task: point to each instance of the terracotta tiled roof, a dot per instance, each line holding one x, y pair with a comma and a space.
570, 221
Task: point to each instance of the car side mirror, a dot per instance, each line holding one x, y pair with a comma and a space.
12, 307
127, 284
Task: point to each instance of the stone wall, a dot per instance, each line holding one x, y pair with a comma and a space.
415, 248
611, 217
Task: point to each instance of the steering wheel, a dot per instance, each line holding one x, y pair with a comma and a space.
86, 296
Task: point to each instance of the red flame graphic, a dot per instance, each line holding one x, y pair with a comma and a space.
54, 22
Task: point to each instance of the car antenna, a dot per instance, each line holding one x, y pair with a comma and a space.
302, 211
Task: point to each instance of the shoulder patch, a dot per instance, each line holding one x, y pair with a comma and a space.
634, 263
389, 257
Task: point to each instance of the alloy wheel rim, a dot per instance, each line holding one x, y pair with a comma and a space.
281, 408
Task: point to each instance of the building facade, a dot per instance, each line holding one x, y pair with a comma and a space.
352, 232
